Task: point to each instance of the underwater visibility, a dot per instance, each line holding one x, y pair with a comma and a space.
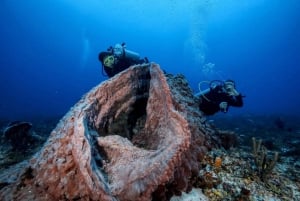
163, 100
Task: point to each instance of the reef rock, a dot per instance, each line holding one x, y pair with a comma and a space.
137, 136
18, 135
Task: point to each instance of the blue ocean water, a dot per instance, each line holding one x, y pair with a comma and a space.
49, 49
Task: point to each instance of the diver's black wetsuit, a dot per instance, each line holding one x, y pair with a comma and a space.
121, 65
209, 103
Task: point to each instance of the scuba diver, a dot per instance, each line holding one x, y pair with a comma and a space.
218, 97
118, 58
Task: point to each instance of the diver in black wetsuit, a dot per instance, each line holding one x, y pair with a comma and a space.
219, 97
118, 58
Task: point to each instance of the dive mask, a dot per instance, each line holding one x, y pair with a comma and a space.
109, 61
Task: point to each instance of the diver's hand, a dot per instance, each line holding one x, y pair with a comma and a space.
233, 92
223, 106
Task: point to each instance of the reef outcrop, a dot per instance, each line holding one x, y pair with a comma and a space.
19, 136
135, 137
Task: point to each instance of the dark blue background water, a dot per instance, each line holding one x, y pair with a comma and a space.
49, 49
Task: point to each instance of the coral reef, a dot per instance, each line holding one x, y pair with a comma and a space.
235, 180
136, 136
110, 129
195, 194
19, 136
18, 142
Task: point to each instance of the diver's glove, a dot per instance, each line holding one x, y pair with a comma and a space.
146, 60
143, 61
223, 106
231, 91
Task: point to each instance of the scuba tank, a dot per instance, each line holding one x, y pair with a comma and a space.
212, 85
120, 51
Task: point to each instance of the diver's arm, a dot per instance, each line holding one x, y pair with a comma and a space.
236, 100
